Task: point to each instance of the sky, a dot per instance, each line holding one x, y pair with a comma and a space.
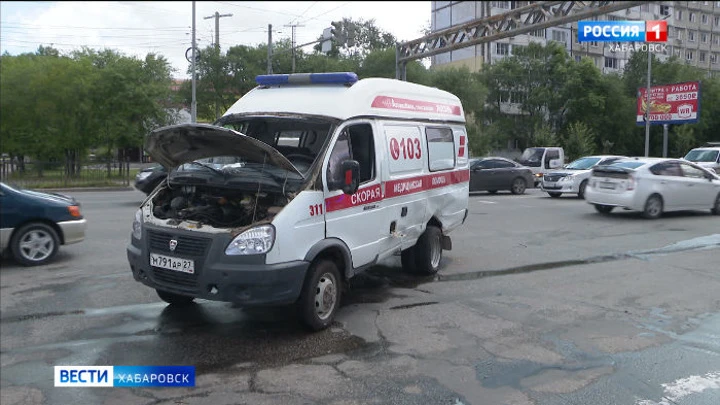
136, 28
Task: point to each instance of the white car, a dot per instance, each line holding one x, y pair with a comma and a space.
573, 178
653, 186
708, 157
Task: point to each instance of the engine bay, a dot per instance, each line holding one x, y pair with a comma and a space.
216, 207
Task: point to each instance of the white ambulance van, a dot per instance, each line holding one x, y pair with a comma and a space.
303, 183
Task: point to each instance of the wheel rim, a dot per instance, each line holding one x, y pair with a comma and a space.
325, 296
36, 245
519, 186
653, 207
435, 252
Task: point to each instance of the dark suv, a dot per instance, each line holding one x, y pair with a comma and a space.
148, 179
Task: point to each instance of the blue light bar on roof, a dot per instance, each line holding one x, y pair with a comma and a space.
307, 78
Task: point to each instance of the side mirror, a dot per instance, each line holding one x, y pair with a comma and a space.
351, 176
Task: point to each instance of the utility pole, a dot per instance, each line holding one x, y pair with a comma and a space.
269, 61
217, 16
293, 43
193, 104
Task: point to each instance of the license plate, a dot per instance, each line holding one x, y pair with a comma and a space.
172, 263
549, 184
607, 185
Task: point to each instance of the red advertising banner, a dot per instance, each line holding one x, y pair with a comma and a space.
677, 103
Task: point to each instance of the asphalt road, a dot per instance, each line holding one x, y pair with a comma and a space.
541, 301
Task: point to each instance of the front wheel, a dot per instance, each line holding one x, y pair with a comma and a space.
653, 207
581, 192
716, 208
34, 244
177, 300
320, 297
518, 186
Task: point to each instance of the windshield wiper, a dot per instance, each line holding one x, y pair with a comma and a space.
220, 172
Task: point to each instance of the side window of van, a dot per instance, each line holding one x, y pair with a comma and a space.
441, 148
354, 142
551, 155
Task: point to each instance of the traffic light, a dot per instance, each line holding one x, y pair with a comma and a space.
338, 35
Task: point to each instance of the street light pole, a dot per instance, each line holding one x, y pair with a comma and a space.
647, 107
193, 103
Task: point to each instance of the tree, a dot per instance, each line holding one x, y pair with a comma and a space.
580, 141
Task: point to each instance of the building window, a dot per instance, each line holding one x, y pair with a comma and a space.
559, 36
611, 63
665, 10
702, 56
704, 38
704, 18
680, 34
502, 49
716, 39
537, 33
677, 52
713, 58
678, 15
692, 17
689, 55
691, 36
717, 21
500, 4
514, 47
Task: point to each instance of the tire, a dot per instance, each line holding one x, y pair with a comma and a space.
177, 300
34, 244
581, 192
554, 195
518, 186
428, 251
653, 207
492, 191
407, 258
716, 208
603, 209
320, 296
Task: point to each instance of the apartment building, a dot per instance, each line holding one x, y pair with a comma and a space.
693, 34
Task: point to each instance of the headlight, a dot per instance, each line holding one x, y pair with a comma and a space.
137, 225
254, 241
142, 175
567, 179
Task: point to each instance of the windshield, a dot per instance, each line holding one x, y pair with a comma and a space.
532, 157
583, 164
699, 155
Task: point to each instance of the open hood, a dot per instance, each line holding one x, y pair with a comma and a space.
175, 145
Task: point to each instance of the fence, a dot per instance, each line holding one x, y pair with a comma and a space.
58, 174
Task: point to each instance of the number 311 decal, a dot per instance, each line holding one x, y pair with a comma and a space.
316, 209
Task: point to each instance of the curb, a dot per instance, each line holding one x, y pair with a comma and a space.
85, 189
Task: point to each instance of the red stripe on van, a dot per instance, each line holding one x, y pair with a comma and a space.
396, 188
394, 103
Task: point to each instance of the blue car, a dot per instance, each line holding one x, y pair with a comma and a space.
34, 224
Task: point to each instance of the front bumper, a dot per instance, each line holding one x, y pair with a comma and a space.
245, 280
73, 231
559, 187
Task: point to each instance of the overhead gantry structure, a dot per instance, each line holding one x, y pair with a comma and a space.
522, 20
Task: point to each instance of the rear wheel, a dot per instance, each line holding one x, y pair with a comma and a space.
518, 186
34, 244
320, 297
174, 299
428, 251
603, 209
581, 192
716, 208
653, 207
554, 195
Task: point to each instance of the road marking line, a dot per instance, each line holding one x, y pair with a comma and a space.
485, 202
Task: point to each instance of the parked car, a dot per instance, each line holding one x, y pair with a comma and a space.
34, 224
708, 157
573, 178
148, 179
653, 186
496, 173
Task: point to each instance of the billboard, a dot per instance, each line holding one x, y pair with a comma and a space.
677, 103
